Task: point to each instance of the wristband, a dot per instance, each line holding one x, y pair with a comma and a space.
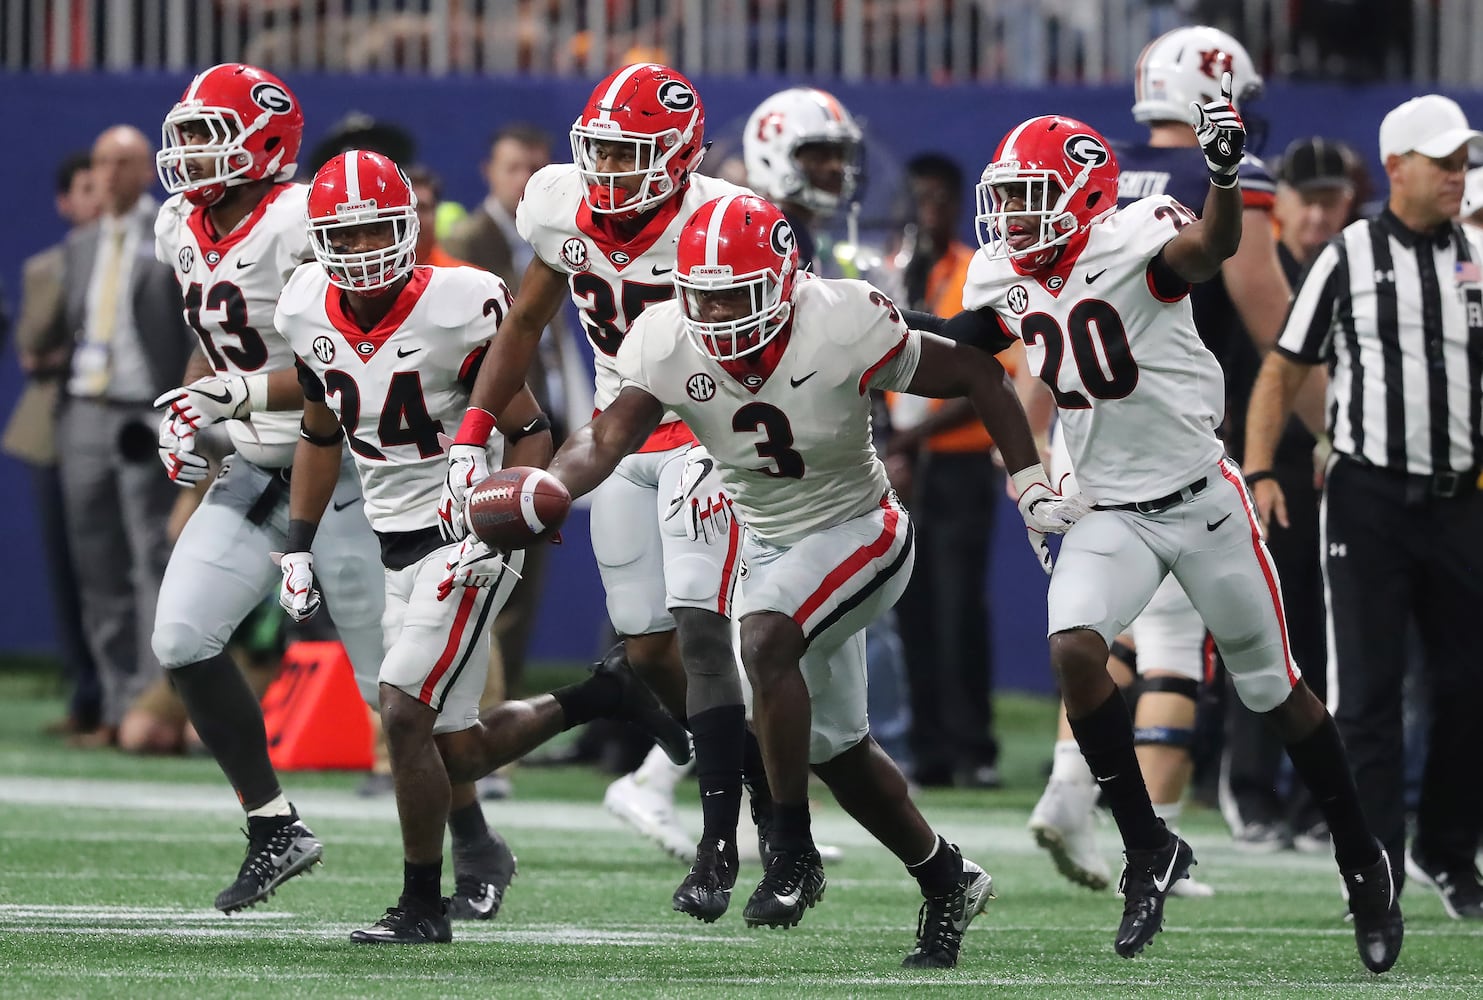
322, 440
300, 535
540, 423
257, 393
1252, 478
1029, 476
477, 425
1225, 181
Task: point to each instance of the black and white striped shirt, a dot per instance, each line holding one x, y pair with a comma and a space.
1398, 317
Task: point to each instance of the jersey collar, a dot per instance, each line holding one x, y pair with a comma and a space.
622, 253
1054, 278
213, 247
753, 371
364, 344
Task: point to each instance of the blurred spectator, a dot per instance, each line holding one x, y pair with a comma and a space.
486, 238
123, 310
428, 188
43, 345
359, 130
944, 614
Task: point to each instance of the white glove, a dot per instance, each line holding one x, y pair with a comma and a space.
474, 564
298, 595
701, 499
178, 453
1041, 548
212, 399
1221, 133
1043, 507
468, 466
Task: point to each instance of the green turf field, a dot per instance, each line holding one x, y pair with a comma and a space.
108, 865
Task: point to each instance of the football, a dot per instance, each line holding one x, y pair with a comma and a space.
517, 506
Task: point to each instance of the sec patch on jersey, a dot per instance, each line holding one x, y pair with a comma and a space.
517, 506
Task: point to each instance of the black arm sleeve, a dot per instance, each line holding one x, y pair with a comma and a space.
924, 321
981, 328
309, 382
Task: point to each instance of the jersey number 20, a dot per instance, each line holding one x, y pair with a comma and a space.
1099, 347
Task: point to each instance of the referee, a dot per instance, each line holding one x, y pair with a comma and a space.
1394, 307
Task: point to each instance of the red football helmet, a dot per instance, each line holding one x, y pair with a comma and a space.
1050, 179
656, 110
351, 193
253, 126
735, 268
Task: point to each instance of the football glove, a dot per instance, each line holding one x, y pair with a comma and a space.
472, 564
1221, 134
1041, 548
208, 401
1045, 509
468, 465
297, 593
700, 500
178, 454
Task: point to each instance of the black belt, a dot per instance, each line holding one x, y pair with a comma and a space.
1162, 504
1445, 485
273, 493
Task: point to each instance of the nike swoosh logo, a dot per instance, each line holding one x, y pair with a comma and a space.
796, 382
484, 903
1093, 277
530, 427
403, 352
1217, 524
706, 465
245, 263
347, 503
661, 270
791, 899
1162, 884
224, 398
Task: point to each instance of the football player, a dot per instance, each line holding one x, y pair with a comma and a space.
234, 231
387, 353
1099, 295
773, 369
603, 229
1165, 656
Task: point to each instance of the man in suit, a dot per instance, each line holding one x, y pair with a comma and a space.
486, 238
123, 316
43, 347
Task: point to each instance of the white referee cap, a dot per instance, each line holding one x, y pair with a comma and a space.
1431, 125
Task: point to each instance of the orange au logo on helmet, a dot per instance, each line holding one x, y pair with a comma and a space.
1086, 150
574, 254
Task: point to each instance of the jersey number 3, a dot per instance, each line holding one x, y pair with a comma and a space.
777, 447
1099, 347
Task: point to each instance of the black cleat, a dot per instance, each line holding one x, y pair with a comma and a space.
1376, 909
1146, 880
706, 891
943, 919
409, 922
637, 704
762, 816
793, 881
1461, 890
278, 848
480, 882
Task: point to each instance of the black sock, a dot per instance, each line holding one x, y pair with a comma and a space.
939, 874
423, 884
470, 832
595, 698
754, 772
790, 827
718, 767
229, 720
1106, 740
1320, 761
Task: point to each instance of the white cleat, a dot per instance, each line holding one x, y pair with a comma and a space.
1189, 888
1063, 823
651, 813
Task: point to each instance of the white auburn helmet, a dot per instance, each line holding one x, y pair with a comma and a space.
784, 122
1185, 65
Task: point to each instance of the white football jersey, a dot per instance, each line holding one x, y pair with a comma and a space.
794, 451
1139, 395
231, 286
611, 283
396, 388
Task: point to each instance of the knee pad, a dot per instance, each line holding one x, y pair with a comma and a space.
179, 644
1168, 736
692, 581
1124, 654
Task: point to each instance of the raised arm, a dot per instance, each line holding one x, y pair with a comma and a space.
1200, 248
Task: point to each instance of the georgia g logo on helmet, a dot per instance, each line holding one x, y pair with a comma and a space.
1086, 150
272, 98
676, 96
781, 237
